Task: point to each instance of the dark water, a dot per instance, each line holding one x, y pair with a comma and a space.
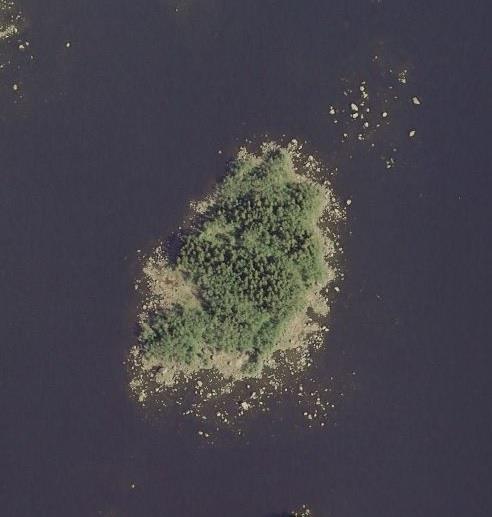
99, 158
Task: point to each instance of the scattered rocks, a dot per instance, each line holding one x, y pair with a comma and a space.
223, 405
390, 162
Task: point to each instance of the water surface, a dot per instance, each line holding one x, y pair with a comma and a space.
101, 151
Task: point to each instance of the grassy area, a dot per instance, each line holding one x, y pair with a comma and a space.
242, 274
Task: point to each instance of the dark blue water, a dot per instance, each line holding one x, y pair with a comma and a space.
99, 157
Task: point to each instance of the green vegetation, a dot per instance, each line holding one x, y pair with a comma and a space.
251, 263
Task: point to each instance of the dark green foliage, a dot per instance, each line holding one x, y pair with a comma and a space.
252, 260
174, 334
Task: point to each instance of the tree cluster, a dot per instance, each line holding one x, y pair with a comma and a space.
252, 261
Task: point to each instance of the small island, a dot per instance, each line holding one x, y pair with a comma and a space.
236, 287
10, 20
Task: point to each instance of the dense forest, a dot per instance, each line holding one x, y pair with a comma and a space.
250, 262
